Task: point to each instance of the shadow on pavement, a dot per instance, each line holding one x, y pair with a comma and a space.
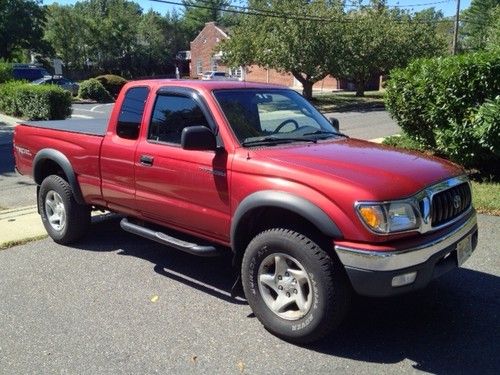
213, 276
450, 327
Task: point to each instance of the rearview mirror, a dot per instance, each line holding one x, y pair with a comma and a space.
198, 138
335, 123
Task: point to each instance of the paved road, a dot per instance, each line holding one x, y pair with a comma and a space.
366, 125
20, 191
88, 309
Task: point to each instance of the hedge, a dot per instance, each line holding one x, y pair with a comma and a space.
34, 102
450, 105
112, 83
93, 89
5, 72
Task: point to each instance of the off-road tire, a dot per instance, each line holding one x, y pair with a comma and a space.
76, 216
330, 288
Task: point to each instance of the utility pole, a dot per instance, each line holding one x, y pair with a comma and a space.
455, 33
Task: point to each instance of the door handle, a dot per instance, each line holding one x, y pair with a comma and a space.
146, 160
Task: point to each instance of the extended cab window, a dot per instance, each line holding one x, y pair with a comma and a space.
171, 114
129, 121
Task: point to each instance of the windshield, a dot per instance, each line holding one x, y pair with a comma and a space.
271, 116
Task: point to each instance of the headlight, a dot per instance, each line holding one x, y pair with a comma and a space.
388, 217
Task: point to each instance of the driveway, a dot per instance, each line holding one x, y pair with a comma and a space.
116, 303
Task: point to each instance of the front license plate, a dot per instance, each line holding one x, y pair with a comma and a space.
464, 250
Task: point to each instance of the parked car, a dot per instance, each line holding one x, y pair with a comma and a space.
28, 72
209, 167
216, 76
62, 82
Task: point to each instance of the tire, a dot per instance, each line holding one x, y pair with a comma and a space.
64, 219
294, 287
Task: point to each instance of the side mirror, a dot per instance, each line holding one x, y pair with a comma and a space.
198, 138
335, 123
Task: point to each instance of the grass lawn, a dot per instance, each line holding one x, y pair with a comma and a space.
347, 101
486, 197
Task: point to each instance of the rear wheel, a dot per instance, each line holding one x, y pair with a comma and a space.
64, 219
294, 287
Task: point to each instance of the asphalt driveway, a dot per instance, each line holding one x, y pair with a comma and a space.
116, 303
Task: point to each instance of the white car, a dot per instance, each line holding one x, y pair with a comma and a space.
216, 76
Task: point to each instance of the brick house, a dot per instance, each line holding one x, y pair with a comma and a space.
205, 58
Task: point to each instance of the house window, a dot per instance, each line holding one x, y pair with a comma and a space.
199, 67
236, 72
215, 64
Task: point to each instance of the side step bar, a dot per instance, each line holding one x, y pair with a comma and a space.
188, 247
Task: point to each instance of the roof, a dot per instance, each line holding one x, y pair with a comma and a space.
201, 85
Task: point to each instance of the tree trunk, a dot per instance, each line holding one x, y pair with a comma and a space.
360, 87
307, 90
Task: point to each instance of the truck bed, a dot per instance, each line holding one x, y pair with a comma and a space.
95, 127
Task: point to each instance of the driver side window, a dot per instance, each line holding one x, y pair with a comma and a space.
171, 114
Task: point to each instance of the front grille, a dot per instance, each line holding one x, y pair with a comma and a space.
450, 203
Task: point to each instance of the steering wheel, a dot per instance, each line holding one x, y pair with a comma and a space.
288, 121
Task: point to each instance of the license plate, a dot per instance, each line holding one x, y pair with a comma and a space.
464, 250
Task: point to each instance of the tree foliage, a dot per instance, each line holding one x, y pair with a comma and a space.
302, 45
481, 27
377, 39
21, 27
199, 12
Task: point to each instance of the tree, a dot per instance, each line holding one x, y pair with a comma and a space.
21, 23
296, 40
481, 22
376, 39
65, 31
199, 12
112, 32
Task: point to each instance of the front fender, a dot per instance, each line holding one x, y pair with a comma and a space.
290, 202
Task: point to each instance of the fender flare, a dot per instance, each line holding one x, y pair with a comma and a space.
60, 159
280, 199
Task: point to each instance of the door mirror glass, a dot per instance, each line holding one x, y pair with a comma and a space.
335, 123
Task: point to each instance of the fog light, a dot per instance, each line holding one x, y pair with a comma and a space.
404, 279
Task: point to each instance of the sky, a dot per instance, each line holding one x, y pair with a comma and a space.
447, 6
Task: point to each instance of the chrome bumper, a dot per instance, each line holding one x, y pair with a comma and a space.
395, 260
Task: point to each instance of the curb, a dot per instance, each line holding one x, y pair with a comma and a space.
19, 225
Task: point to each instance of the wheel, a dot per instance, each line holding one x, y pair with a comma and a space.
294, 287
63, 218
286, 122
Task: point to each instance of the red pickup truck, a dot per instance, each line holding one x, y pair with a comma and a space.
310, 215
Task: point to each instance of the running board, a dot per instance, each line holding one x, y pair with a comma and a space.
188, 247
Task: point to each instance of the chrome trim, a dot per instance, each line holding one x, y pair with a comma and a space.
425, 196
394, 260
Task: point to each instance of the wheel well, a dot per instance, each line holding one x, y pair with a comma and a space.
47, 167
259, 219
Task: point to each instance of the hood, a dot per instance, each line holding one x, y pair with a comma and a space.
383, 172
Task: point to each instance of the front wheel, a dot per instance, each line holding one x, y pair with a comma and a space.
64, 219
294, 287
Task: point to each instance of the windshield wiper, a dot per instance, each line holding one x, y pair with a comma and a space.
326, 132
275, 140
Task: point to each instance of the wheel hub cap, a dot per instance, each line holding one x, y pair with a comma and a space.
285, 286
55, 210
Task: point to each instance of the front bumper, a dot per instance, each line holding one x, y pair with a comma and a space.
371, 272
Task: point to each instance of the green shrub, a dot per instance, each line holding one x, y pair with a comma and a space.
93, 89
34, 102
5, 72
439, 104
112, 83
